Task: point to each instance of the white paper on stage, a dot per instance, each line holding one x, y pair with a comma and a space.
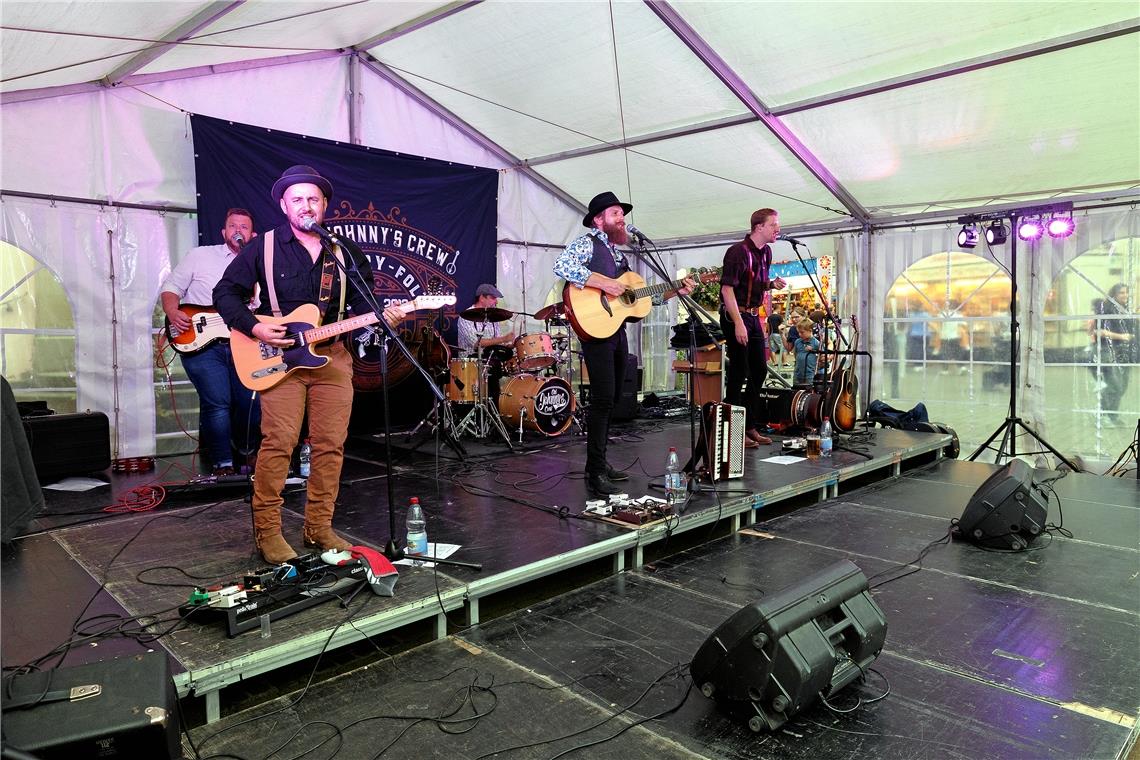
75, 484
440, 551
783, 459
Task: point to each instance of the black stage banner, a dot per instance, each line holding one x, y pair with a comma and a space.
426, 225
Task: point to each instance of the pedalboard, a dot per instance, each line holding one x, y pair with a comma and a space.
270, 593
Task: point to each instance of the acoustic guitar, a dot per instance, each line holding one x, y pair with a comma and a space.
845, 387
206, 326
261, 366
596, 315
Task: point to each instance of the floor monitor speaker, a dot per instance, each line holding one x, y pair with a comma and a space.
774, 657
1008, 511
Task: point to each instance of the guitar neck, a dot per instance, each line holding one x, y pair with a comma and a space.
324, 332
661, 287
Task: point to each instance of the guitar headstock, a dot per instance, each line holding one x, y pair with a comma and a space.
425, 302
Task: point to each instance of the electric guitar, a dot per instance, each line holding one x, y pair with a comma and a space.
206, 326
596, 315
261, 366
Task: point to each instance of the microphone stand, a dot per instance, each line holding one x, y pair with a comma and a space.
392, 550
647, 257
819, 292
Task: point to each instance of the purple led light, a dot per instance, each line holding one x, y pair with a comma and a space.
1030, 229
1061, 226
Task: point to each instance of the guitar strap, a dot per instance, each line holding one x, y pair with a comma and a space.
270, 289
328, 274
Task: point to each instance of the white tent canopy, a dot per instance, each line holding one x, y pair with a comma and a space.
844, 116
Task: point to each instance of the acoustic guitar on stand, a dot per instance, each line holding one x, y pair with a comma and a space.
261, 366
206, 326
596, 315
844, 387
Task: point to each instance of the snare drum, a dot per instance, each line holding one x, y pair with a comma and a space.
463, 386
545, 404
533, 351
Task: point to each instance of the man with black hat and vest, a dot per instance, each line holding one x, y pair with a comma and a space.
293, 266
593, 260
744, 283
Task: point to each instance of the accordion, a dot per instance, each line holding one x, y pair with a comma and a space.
722, 438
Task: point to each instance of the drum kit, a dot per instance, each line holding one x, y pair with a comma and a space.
535, 379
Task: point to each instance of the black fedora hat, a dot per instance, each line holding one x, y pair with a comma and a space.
299, 174
600, 203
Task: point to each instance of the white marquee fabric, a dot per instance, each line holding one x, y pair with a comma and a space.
839, 114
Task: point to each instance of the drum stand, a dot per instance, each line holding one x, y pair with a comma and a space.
483, 416
440, 418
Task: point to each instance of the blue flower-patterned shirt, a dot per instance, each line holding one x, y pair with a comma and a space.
571, 264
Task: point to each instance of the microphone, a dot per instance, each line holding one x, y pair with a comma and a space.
789, 239
238, 239
637, 234
309, 224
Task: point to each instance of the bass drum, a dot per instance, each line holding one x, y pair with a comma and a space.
544, 404
791, 407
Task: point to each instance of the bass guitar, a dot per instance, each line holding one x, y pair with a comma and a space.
844, 387
206, 326
261, 366
596, 315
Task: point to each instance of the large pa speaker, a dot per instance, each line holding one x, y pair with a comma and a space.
774, 657
1007, 511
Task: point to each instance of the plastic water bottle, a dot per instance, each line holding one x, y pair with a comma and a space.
673, 486
825, 438
417, 529
305, 458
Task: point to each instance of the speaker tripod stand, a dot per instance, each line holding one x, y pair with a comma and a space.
1009, 428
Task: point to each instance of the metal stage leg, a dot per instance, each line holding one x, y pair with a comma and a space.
213, 705
472, 604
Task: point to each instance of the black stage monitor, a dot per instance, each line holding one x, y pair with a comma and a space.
773, 658
1007, 511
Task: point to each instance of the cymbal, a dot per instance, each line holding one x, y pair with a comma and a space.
549, 313
492, 314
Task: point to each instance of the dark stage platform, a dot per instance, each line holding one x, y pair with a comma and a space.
987, 654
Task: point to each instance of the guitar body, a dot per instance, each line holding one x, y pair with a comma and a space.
260, 366
846, 391
596, 315
206, 326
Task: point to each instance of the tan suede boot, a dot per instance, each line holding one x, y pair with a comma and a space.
318, 532
267, 536
322, 537
273, 547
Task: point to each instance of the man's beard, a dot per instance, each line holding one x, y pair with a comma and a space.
616, 234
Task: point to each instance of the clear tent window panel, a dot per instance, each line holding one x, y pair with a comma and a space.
946, 342
1092, 366
37, 332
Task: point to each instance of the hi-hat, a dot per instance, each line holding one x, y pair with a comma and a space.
491, 314
549, 313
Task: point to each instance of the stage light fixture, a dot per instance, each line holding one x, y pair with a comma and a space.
1030, 229
997, 233
968, 236
1061, 226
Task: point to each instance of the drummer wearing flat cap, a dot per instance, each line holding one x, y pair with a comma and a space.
488, 335
292, 266
593, 260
